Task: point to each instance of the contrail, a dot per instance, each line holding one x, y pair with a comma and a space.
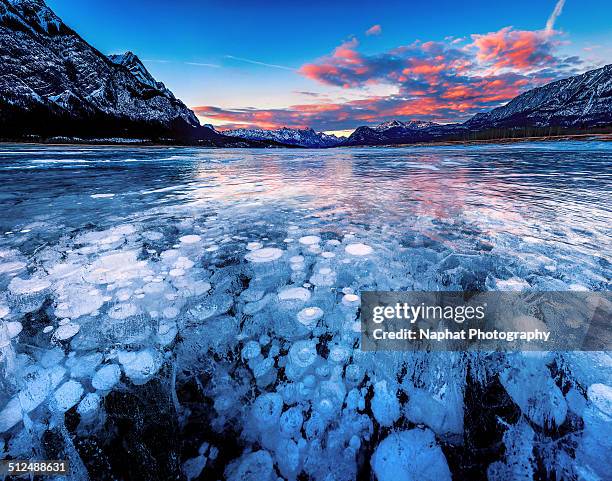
256, 62
200, 64
550, 23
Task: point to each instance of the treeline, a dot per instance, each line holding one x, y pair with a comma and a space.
527, 131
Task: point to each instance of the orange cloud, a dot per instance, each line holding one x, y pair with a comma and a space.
518, 49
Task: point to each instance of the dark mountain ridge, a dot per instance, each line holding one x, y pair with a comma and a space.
53, 83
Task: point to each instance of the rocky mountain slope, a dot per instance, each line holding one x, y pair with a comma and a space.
53, 83
583, 100
298, 137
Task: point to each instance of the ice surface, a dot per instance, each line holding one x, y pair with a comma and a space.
235, 312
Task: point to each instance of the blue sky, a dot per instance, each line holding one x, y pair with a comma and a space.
207, 53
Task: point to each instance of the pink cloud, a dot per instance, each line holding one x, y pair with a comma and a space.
517, 49
374, 30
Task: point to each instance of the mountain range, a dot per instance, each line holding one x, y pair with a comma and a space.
300, 137
572, 105
53, 83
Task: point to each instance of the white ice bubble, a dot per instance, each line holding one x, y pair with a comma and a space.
123, 311
89, 404
66, 331
339, 353
412, 455
106, 377
123, 294
309, 240
294, 293
183, 263
252, 246
19, 286
14, 328
303, 353
67, 395
140, 366
251, 350
166, 332
4, 311
190, 239
328, 255
358, 249
267, 254
350, 299
309, 316
47, 329
267, 409
153, 235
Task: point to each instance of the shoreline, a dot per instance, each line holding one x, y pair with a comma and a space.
553, 138
147, 143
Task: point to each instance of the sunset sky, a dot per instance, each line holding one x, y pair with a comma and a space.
335, 65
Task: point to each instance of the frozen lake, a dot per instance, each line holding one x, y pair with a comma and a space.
218, 290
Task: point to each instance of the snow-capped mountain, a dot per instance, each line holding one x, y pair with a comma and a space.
49, 68
583, 100
396, 124
52, 82
299, 137
396, 132
136, 67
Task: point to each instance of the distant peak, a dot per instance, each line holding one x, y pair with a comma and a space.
411, 124
131, 61
127, 58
